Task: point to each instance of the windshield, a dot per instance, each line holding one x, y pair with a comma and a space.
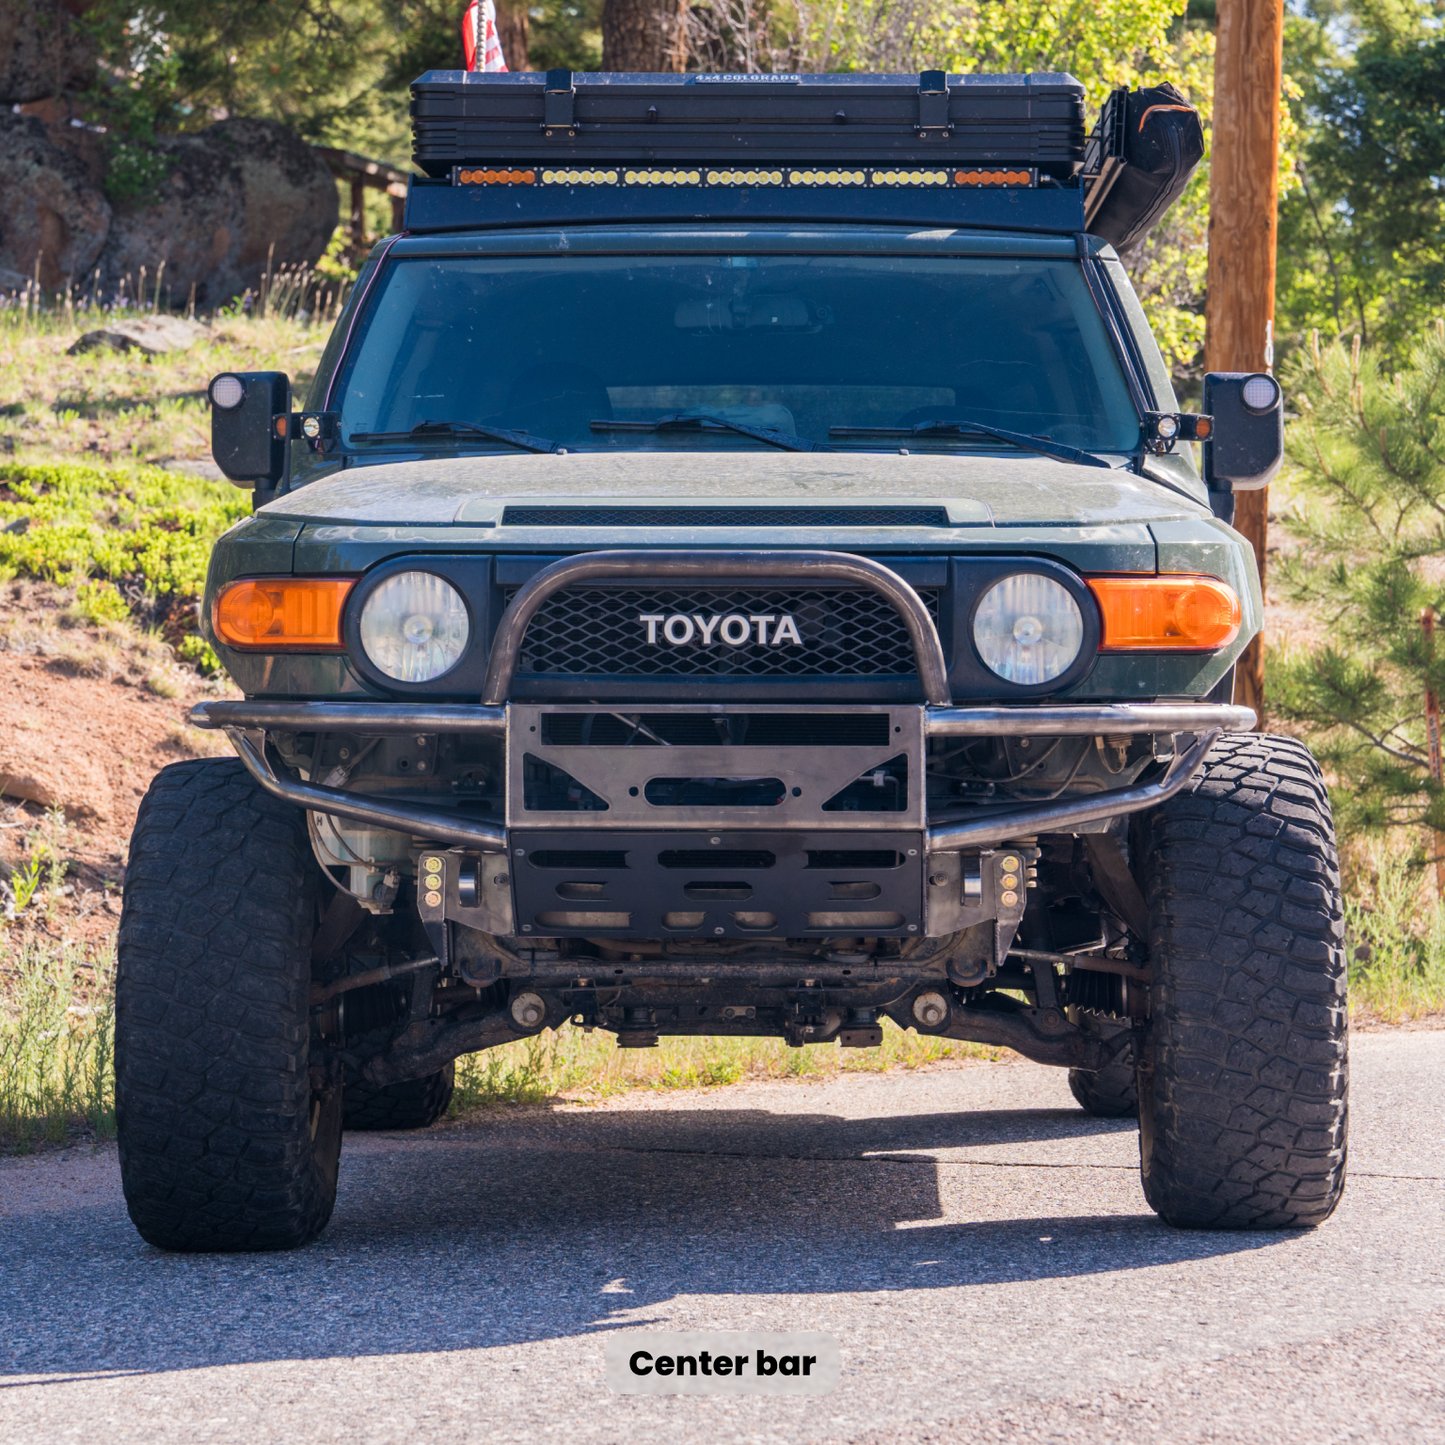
553, 345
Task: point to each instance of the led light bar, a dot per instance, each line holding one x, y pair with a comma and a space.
889, 178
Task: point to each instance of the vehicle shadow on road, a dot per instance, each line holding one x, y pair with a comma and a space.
539, 1225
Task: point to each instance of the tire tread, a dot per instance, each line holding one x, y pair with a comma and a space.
1244, 1074
213, 1090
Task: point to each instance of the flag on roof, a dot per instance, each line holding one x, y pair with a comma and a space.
479, 37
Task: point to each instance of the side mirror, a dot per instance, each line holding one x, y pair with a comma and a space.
1246, 446
245, 440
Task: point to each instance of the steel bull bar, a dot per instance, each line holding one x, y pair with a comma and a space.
247, 723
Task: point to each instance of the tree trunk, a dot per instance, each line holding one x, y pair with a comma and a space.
1243, 191
512, 32
644, 35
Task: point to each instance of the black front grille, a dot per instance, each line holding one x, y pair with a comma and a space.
725, 517
844, 632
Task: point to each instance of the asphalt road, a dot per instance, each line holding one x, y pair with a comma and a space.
979, 1246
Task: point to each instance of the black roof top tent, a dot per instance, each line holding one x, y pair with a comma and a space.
997, 152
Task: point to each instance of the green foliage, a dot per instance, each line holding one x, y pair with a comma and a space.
1396, 937
335, 264
336, 71
134, 168
1104, 43
200, 654
100, 602
25, 883
565, 33
57, 1035
84, 522
176, 63
573, 1062
1361, 239
1368, 453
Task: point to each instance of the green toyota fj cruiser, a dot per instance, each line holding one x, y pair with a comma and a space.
692, 603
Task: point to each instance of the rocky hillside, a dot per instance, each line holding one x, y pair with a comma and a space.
213, 210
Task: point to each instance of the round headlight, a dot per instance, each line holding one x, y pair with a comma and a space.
1028, 629
414, 626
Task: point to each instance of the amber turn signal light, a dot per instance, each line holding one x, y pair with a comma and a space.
282, 614
1166, 614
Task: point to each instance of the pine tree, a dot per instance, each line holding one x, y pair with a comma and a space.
1367, 523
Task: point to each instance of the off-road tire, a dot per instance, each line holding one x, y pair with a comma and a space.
224, 1143
1111, 1093
1243, 1072
412, 1104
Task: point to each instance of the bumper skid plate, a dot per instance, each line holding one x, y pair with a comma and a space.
793, 883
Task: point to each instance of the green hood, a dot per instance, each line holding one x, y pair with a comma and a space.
977, 491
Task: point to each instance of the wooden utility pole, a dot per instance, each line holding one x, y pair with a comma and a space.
1243, 194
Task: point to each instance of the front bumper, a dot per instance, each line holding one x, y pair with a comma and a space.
247, 724
822, 876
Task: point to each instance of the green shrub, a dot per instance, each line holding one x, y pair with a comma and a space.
57, 1036
575, 1062
200, 654
84, 521
94, 527
1395, 929
100, 602
1367, 480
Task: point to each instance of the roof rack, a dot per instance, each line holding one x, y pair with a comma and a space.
988, 151
469, 118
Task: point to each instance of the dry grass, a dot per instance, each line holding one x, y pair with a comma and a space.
47, 622
162, 682
57, 1037
191, 742
108, 406
1395, 923
579, 1066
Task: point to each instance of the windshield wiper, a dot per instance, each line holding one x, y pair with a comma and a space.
680, 421
1045, 448
423, 430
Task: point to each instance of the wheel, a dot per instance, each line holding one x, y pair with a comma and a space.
412, 1104
228, 1140
1243, 1074
1111, 1093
